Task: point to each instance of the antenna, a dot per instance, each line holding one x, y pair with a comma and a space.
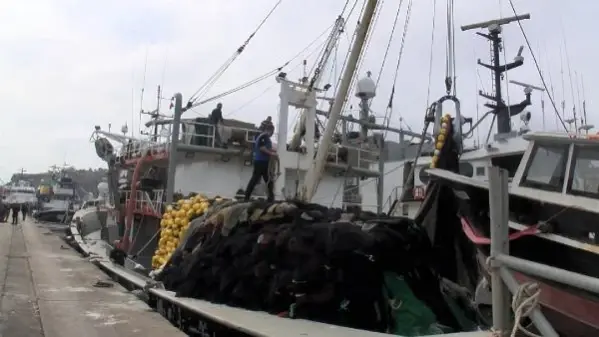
497, 22
154, 115
502, 111
527, 86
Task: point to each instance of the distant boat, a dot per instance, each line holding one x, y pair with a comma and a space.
57, 199
20, 193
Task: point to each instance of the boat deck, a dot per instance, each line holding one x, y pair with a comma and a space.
49, 290
221, 320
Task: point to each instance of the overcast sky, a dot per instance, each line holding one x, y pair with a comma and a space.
68, 65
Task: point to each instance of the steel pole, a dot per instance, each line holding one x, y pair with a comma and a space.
314, 173
499, 210
172, 154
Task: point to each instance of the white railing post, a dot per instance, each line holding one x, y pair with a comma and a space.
499, 211
502, 280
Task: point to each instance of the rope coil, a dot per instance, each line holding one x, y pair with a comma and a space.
524, 301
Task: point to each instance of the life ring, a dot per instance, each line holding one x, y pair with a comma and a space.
418, 193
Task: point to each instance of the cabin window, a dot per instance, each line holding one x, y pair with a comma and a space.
466, 169
546, 167
584, 179
509, 163
480, 171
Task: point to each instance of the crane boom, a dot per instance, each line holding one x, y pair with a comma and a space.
314, 174
331, 42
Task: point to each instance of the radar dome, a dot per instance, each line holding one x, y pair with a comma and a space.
366, 88
103, 189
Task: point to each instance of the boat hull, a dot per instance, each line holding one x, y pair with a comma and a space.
101, 224
55, 216
572, 311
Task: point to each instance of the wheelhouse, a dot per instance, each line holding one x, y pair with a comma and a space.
560, 169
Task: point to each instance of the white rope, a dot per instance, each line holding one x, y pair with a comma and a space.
525, 300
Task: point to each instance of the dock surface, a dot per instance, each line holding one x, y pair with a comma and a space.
49, 290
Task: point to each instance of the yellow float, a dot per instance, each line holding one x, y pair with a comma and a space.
441, 137
174, 224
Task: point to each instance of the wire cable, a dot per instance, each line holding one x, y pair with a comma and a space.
538, 68
220, 71
389, 111
395, 21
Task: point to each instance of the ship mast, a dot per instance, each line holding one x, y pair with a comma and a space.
499, 108
154, 115
314, 174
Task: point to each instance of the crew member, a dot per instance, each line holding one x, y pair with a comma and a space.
263, 152
265, 123
216, 119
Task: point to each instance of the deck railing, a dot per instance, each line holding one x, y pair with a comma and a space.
501, 264
146, 202
210, 136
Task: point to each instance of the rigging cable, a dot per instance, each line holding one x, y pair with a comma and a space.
220, 71
292, 69
538, 68
450, 52
507, 79
378, 78
389, 110
570, 77
430, 61
351, 41
241, 87
141, 98
363, 52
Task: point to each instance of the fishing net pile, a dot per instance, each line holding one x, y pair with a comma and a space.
307, 261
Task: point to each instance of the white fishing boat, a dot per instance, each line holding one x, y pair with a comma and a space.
505, 149
187, 158
20, 193
58, 203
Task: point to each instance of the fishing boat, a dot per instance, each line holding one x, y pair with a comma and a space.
20, 193
552, 201
57, 199
162, 171
505, 149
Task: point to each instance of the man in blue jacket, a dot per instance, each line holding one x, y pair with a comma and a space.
262, 153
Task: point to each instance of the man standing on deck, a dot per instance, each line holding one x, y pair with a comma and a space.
216, 119
265, 123
263, 152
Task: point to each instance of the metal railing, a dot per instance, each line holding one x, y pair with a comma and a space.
501, 264
353, 156
209, 135
137, 149
147, 201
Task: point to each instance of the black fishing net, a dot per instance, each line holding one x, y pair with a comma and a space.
308, 261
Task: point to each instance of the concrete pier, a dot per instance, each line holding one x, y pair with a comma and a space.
49, 290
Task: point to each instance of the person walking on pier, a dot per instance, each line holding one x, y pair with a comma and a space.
3, 210
24, 210
15, 214
263, 153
